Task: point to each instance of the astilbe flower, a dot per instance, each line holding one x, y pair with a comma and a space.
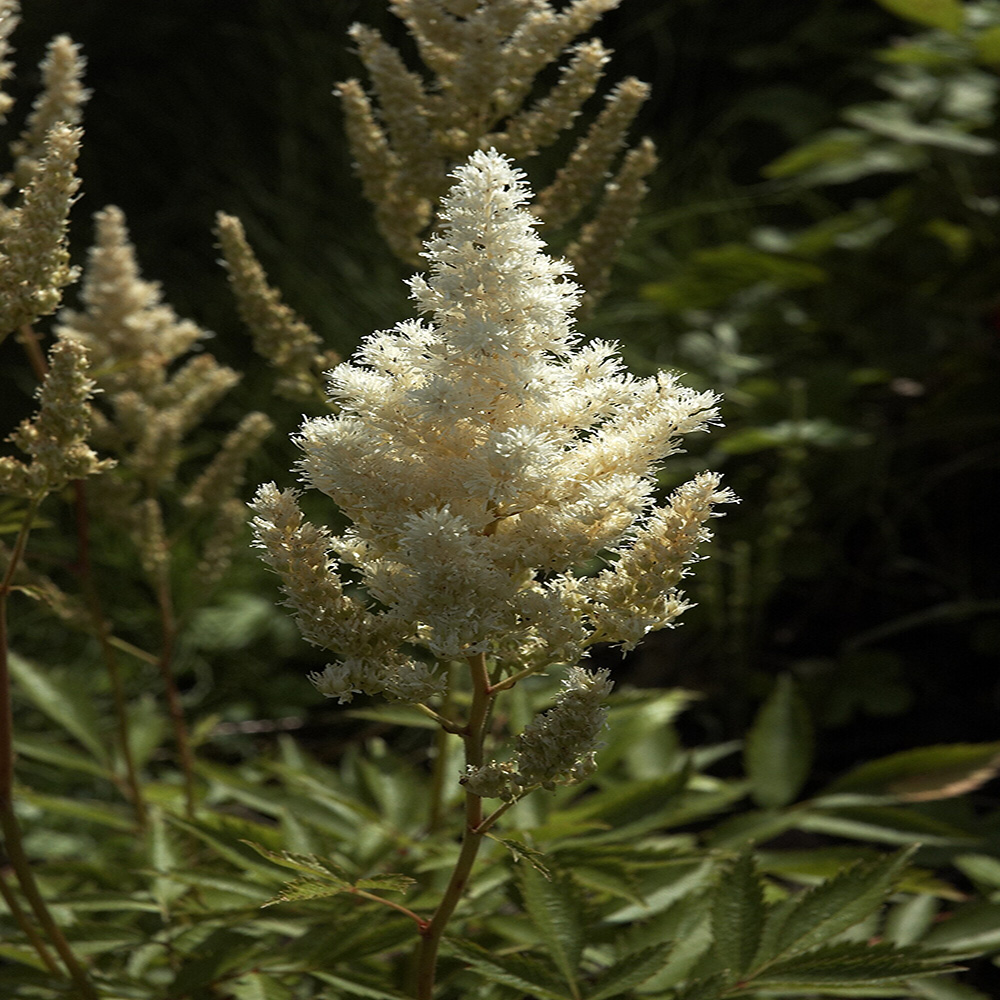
482, 455
481, 59
42, 186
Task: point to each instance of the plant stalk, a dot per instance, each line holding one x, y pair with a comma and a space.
176, 709
85, 572
473, 735
8, 820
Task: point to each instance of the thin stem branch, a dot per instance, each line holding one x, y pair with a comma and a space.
8, 820
30, 931
168, 627
509, 682
420, 921
487, 823
473, 736
133, 788
26, 877
446, 724
33, 349
440, 762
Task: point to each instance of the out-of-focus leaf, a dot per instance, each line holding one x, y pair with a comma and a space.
60, 755
889, 119
258, 986
980, 868
971, 929
946, 989
926, 773
393, 714
94, 812
69, 705
715, 274
352, 987
946, 14
909, 920
987, 45
833, 158
779, 746
821, 433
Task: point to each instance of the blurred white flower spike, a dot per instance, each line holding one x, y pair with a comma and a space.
482, 456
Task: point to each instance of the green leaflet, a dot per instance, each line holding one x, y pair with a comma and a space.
633, 969
852, 964
556, 910
738, 914
946, 14
68, 705
512, 970
779, 746
820, 914
925, 773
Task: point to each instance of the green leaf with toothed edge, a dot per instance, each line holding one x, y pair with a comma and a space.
522, 973
618, 979
738, 913
555, 909
812, 919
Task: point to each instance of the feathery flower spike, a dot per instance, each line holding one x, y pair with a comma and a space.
482, 454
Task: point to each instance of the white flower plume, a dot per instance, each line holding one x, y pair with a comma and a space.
481, 454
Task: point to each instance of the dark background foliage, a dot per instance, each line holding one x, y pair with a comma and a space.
860, 369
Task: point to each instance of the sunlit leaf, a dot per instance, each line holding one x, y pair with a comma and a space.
926, 773
946, 14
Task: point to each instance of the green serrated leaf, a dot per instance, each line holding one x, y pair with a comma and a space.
221, 952
946, 14
738, 914
356, 988
300, 889
511, 970
779, 746
924, 774
68, 705
555, 910
385, 882
703, 989
852, 964
830, 908
618, 979
521, 852
308, 864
